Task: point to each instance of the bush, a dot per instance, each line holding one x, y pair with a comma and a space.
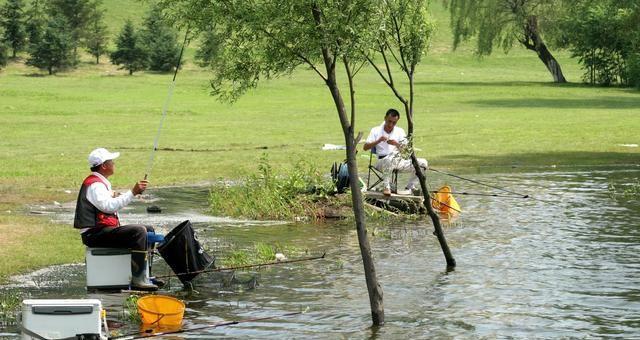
267, 196
633, 70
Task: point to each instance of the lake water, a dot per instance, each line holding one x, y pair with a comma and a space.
568, 267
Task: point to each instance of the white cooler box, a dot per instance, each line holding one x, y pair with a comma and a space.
108, 268
55, 319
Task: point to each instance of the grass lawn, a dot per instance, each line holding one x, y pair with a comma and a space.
496, 112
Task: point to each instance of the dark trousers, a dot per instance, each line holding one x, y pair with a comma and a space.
132, 236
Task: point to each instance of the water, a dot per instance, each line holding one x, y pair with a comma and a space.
565, 269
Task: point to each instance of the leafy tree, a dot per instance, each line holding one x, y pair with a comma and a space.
12, 20
505, 22
78, 14
129, 51
604, 36
402, 44
36, 22
96, 38
160, 41
265, 39
54, 51
210, 46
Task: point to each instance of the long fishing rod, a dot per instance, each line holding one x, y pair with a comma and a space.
165, 107
487, 185
474, 194
245, 266
147, 334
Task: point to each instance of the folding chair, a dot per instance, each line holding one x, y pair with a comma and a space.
379, 175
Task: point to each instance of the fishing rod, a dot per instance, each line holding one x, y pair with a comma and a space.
165, 107
245, 266
488, 185
474, 194
147, 333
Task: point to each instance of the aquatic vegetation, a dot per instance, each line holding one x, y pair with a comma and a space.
299, 192
130, 309
630, 191
9, 305
260, 253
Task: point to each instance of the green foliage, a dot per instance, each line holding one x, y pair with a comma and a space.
130, 52
602, 35
630, 191
130, 311
267, 195
78, 14
36, 22
160, 41
209, 48
3, 55
10, 303
263, 40
260, 252
53, 51
96, 34
12, 21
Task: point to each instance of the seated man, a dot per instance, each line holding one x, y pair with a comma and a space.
97, 216
387, 140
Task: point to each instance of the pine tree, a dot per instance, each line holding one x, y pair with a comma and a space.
96, 35
160, 41
35, 23
53, 51
210, 47
129, 53
11, 19
77, 14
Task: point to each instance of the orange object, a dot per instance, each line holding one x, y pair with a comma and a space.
444, 202
161, 310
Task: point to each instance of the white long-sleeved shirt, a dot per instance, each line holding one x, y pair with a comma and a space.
384, 148
102, 197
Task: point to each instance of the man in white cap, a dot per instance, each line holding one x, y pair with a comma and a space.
97, 216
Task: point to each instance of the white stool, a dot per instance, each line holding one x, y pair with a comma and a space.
108, 268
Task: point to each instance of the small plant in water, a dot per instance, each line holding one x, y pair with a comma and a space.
260, 253
9, 305
630, 191
130, 309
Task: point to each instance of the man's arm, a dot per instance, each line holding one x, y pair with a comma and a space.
103, 199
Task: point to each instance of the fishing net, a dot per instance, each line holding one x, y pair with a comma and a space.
184, 254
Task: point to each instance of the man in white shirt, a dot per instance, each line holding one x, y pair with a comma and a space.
97, 215
387, 140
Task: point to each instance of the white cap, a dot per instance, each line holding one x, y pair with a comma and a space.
101, 155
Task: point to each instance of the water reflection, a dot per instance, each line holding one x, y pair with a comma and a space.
569, 268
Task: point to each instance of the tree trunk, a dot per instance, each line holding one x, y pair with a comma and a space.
533, 41
130, 71
373, 287
14, 53
97, 59
50, 68
451, 261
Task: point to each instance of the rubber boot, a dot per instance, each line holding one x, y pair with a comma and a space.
140, 271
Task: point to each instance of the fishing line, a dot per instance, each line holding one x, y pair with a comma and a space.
165, 107
147, 334
487, 185
475, 194
245, 266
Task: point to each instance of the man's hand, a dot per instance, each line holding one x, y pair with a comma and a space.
381, 139
115, 194
394, 143
140, 187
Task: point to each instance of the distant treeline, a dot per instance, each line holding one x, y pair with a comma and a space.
52, 31
604, 35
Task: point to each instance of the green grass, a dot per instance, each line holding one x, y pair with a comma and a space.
496, 112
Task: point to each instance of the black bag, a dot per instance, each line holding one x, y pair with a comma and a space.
340, 176
183, 253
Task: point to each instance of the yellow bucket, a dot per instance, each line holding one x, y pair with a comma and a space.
160, 310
